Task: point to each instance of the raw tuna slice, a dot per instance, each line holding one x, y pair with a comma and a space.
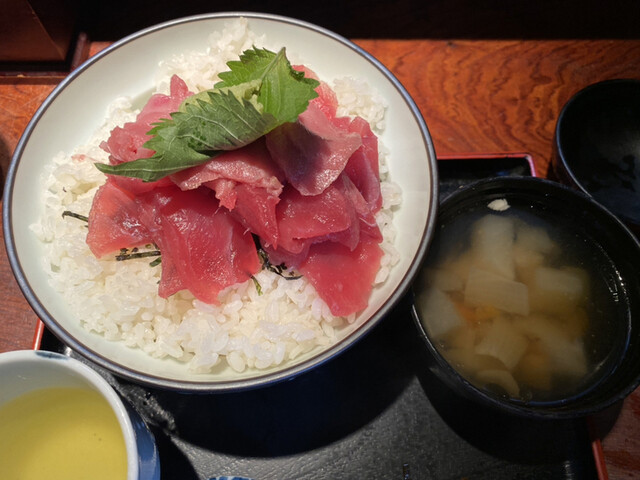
363, 212
125, 143
256, 210
171, 282
363, 166
248, 176
338, 214
225, 191
302, 218
285, 258
247, 182
313, 151
342, 277
160, 106
114, 221
204, 246
148, 212
250, 165
326, 99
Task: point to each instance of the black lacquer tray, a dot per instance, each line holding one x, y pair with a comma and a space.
373, 412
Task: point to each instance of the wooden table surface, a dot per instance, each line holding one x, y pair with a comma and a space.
477, 96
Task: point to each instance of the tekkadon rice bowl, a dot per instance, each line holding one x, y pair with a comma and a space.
120, 301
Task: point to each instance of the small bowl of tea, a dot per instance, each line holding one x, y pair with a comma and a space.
62, 420
529, 299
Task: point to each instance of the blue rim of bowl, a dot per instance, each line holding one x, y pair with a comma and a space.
226, 385
543, 410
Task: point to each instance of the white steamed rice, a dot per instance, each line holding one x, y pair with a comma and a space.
119, 300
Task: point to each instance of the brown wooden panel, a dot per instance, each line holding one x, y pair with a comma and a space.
36, 31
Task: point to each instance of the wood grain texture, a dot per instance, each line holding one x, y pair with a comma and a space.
477, 96
18, 103
18, 322
503, 95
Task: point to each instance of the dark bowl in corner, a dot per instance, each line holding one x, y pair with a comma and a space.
597, 146
610, 251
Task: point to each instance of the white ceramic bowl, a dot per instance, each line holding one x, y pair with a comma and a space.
25, 371
76, 108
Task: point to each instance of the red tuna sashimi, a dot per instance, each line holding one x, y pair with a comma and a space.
251, 165
339, 214
363, 211
160, 106
326, 99
247, 182
114, 222
313, 151
363, 221
307, 218
342, 277
225, 191
202, 244
283, 257
256, 210
148, 206
125, 143
363, 166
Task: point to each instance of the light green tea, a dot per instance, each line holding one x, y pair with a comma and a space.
61, 433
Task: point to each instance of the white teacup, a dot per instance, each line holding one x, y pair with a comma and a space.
23, 372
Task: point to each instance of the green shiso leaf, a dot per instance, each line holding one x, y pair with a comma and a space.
260, 92
284, 92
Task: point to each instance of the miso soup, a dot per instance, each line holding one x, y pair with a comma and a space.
518, 305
